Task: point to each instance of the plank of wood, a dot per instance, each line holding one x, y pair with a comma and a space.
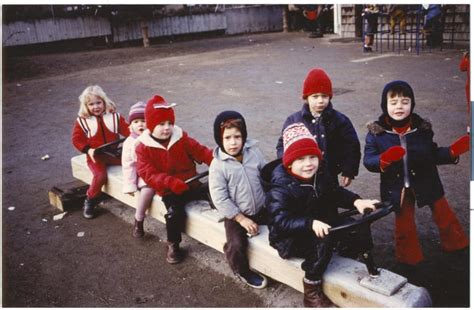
340, 281
68, 196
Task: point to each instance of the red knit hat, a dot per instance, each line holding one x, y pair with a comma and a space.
317, 81
158, 110
298, 142
137, 111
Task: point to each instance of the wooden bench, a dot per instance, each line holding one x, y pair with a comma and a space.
340, 281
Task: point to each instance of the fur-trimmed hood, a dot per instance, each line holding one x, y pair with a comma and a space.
381, 124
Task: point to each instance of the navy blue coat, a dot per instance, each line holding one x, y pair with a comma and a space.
336, 138
293, 206
421, 159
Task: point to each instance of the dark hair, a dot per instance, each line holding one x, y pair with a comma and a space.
231, 123
400, 90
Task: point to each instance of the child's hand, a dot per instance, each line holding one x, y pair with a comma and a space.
460, 146
362, 204
392, 154
90, 152
177, 186
250, 226
345, 181
321, 229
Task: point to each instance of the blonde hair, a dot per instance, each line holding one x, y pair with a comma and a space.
94, 90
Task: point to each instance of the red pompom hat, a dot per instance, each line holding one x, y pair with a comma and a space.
317, 81
158, 110
298, 142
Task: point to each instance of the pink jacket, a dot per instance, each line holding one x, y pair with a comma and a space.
131, 181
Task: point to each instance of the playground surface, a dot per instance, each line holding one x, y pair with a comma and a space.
46, 264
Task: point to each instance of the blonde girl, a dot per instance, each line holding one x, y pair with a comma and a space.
97, 123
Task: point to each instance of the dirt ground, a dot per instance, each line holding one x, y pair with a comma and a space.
45, 264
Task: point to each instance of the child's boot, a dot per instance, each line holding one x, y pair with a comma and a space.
138, 231
174, 254
450, 231
314, 296
88, 209
407, 245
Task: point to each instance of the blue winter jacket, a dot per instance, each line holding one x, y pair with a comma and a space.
293, 206
417, 169
336, 138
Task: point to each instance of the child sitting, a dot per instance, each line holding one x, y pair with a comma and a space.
399, 146
301, 202
236, 191
131, 182
166, 158
333, 131
97, 123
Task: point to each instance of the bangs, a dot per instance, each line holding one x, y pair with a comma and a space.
399, 90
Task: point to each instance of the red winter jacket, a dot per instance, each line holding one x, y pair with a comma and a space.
95, 131
155, 162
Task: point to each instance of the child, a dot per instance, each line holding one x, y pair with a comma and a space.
312, 15
131, 181
301, 203
465, 66
399, 146
371, 14
397, 12
166, 158
236, 191
98, 123
333, 131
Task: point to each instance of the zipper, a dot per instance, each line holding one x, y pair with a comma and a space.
249, 185
101, 122
403, 143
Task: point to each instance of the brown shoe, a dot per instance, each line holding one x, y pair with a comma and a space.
174, 254
138, 231
314, 296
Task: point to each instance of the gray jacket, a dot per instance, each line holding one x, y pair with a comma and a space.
236, 187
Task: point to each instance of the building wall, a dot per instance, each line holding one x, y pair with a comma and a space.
231, 21
50, 30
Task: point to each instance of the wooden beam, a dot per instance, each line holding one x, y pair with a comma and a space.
340, 281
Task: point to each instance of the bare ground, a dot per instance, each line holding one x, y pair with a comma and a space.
45, 264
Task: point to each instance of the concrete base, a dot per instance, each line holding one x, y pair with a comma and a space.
386, 283
341, 282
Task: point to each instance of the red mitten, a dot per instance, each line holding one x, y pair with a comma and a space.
392, 154
177, 186
460, 146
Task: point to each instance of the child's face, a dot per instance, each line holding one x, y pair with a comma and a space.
305, 166
232, 141
163, 130
318, 102
138, 125
398, 106
96, 105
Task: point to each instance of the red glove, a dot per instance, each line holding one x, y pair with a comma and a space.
176, 185
392, 154
460, 146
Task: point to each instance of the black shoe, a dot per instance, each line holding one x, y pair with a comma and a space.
253, 279
138, 231
174, 255
88, 210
